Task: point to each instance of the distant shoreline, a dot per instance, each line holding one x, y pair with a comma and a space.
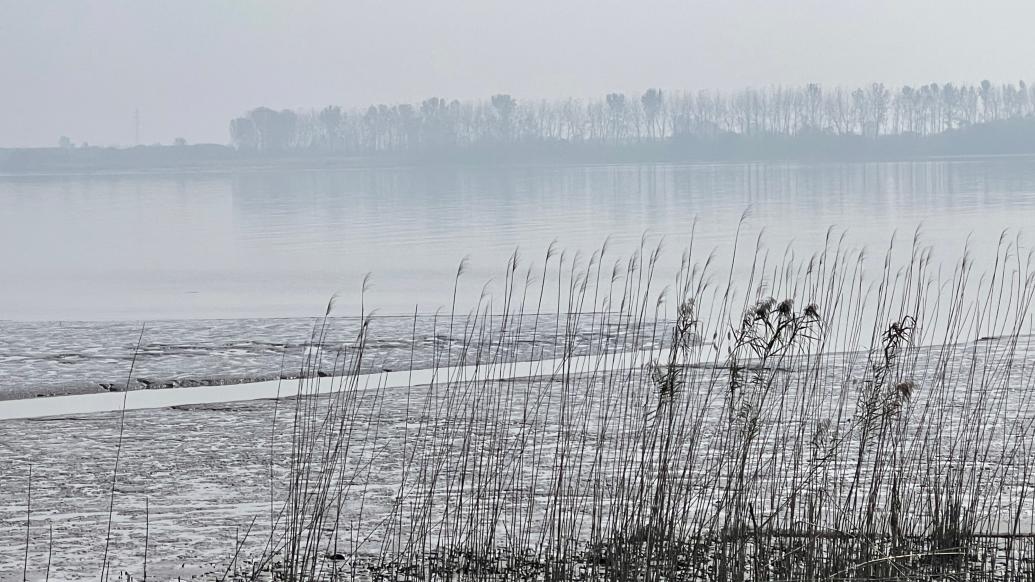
312, 163
1015, 139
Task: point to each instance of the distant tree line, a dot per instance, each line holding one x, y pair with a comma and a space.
775, 123
651, 118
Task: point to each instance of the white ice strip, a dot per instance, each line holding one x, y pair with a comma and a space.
142, 399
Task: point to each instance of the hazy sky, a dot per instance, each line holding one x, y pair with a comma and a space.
81, 67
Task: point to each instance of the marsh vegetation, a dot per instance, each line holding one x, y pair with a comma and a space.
819, 420
851, 429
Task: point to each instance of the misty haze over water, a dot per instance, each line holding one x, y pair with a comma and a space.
280, 243
85, 69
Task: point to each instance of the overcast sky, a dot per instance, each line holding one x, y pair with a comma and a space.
81, 67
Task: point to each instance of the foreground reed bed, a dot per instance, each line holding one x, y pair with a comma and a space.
817, 421
826, 418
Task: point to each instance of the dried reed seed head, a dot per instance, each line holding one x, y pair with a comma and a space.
905, 389
764, 307
786, 307
685, 316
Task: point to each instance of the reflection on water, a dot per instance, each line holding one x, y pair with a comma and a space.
279, 243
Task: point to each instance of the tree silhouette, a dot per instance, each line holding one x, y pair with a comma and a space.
243, 134
504, 105
652, 102
616, 108
435, 124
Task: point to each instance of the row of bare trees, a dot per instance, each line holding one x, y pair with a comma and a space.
654, 116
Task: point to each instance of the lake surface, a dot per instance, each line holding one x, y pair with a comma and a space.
279, 243
237, 264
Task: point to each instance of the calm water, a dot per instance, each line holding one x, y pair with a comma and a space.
279, 243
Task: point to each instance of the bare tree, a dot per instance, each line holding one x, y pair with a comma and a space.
616, 120
653, 102
504, 105
436, 123
243, 134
